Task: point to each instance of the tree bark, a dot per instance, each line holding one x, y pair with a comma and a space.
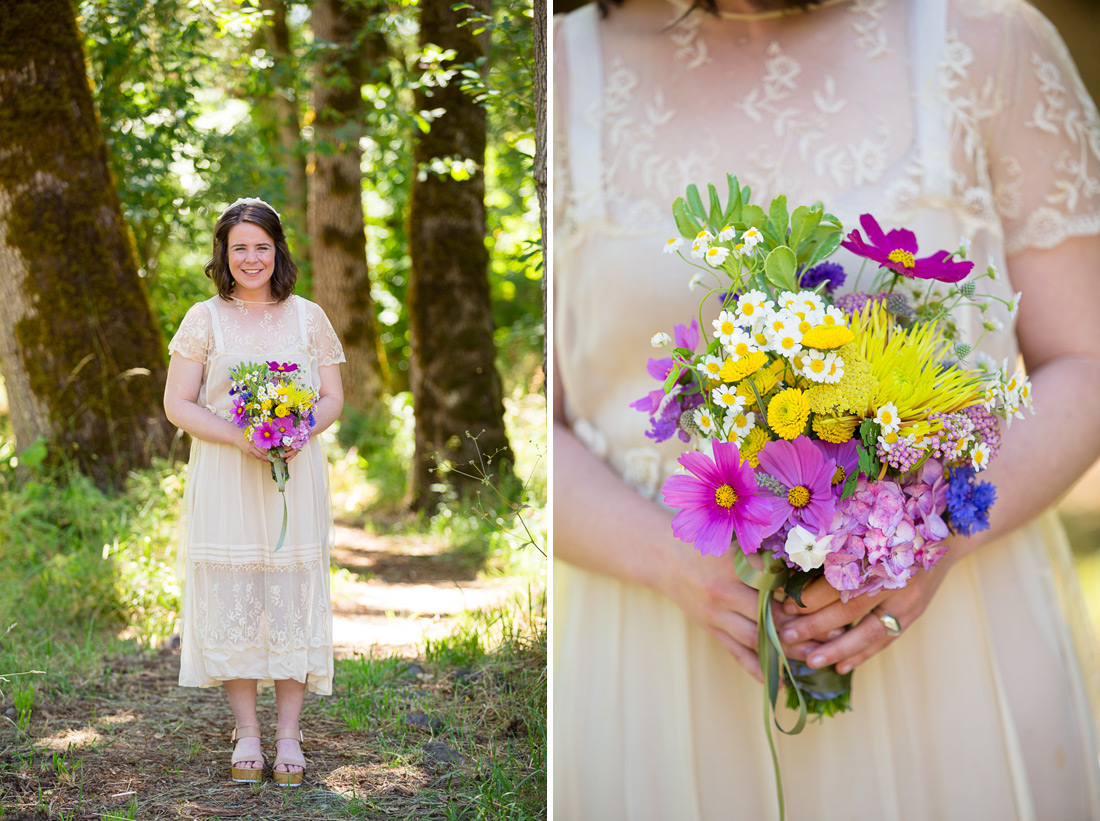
540, 35
80, 352
341, 280
456, 389
284, 110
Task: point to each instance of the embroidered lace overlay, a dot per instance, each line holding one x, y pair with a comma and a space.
249, 612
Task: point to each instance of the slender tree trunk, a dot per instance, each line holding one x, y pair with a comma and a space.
284, 109
341, 280
456, 389
540, 35
81, 355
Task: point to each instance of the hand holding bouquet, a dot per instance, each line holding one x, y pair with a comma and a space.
844, 432
276, 412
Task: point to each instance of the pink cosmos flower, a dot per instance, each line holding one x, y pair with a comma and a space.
846, 456
897, 251
799, 465
720, 500
284, 428
266, 436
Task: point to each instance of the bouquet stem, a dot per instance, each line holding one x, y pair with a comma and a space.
280, 473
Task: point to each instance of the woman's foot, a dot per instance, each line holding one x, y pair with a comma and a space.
290, 764
248, 759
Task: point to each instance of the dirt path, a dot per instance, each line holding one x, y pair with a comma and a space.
132, 744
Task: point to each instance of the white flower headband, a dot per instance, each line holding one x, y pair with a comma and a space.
250, 201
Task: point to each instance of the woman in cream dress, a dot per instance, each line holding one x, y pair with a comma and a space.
949, 117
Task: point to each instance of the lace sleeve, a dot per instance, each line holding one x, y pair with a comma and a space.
1045, 151
193, 338
323, 340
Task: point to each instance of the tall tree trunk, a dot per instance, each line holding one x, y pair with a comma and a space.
341, 280
80, 352
540, 35
456, 389
284, 110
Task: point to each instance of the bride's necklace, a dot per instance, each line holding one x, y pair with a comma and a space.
249, 302
777, 13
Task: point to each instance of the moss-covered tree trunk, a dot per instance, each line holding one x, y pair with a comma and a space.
81, 354
341, 280
456, 389
540, 144
283, 111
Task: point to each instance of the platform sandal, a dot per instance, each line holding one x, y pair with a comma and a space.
289, 779
245, 775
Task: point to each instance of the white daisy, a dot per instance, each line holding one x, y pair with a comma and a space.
696, 280
727, 233
725, 326
741, 423
660, 340
786, 338
1014, 304
887, 417
753, 306
740, 344
704, 420
814, 365
711, 367
726, 397
834, 366
833, 316
716, 255
699, 248
979, 456
751, 238
673, 245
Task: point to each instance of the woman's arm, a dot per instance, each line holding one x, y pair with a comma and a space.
331, 400
181, 406
1041, 456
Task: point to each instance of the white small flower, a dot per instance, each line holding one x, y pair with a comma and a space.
788, 300
958, 451
753, 306
815, 366
286, 441
993, 324
1025, 394
991, 269
727, 233
979, 456
964, 246
726, 397
704, 420
786, 335
834, 368
833, 316
739, 424
805, 550
699, 248
725, 326
673, 245
740, 344
1014, 304
696, 280
711, 367
705, 236
717, 255
887, 417
751, 238
985, 362
660, 340
810, 304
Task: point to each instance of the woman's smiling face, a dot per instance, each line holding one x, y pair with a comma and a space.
251, 252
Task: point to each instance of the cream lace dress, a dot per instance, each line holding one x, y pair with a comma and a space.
249, 612
948, 117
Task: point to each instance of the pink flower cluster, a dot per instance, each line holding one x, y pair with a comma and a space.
885, 530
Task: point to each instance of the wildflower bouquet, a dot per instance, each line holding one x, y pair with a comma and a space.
276, 413
844, 432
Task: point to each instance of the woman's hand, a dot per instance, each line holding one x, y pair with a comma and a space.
825, 617
249, 448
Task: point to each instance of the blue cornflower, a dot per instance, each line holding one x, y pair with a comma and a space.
831, 273
968, 501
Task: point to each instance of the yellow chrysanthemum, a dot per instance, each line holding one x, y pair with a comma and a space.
752, 445
736, 371
788, 412
764, 380
281, 410
910, 367
836, 429
827, 337
852, 394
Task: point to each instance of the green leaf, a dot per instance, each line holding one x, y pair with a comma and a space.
777, 217
673, 375
779, 268
849, 484
715, 207
695, 203
753, 215
35, 453
824, 242
803, 223
685, 222
733, 206
795, 582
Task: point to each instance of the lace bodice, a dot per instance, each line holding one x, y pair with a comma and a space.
948, 117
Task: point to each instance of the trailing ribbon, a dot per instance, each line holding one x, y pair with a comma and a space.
280, 473
771, 577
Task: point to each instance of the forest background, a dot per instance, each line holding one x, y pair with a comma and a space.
400, 142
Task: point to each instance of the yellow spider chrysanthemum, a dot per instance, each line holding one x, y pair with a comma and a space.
752, 445
837, 429
853, 393
788, 412
910, 367
749, 364
827, 337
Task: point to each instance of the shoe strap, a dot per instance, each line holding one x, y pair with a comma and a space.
289, 732
244, 732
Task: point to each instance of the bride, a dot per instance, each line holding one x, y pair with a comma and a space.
948, 117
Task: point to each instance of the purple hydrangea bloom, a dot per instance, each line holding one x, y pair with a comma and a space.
830, 273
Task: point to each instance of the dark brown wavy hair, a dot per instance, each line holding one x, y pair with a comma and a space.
285, 273
711, 6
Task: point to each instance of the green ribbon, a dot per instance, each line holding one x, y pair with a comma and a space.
280, 473
771, 577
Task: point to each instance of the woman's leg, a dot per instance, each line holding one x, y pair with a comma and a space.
242, 700
289, 696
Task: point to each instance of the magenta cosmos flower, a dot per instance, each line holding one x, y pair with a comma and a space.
846, 456
898, 252
720, 500
266, 436
282, 367
801, 468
